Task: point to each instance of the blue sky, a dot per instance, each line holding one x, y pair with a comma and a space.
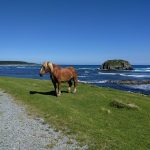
75, 31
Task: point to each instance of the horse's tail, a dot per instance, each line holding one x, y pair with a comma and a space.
75, 77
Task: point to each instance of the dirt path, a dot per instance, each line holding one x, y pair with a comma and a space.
18, 131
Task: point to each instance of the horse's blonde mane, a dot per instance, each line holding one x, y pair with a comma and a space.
50, 65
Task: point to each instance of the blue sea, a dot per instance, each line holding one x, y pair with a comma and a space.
89, 74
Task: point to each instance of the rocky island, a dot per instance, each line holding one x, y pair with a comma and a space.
117, 64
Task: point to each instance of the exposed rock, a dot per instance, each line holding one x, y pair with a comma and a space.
133, 82
116, 65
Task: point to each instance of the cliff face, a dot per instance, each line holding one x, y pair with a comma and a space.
116, 65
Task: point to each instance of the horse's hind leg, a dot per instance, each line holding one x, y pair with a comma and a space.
70, 84
75, 84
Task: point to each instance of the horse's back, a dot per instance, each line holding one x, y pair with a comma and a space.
68, 73
64, 74
72, 69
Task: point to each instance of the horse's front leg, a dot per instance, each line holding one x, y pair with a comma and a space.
70, 84
59, 89
55, 87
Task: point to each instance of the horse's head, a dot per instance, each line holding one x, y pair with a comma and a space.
46, 67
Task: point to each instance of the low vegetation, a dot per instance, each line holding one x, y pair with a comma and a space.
87, 115
119, 104
15, 63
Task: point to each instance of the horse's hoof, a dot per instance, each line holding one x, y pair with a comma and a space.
58, 94
75, 90
69, 89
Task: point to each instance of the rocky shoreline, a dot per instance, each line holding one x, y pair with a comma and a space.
130, 82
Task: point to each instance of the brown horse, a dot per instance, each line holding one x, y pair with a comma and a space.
58, 75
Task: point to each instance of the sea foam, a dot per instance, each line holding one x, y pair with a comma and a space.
93, 82
145, 87
136, 76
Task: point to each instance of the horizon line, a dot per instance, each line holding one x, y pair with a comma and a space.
38, 63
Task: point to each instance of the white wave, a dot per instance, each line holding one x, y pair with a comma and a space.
141, 70
136, 76
86, 71
137, 70
21, 67
82, 76
147, 70
86, 68
141, 87
90, 82
103, 73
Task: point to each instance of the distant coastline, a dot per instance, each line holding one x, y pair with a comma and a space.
16, 63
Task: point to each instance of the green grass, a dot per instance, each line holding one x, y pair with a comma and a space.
87, 114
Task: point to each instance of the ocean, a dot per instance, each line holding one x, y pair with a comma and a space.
89, 74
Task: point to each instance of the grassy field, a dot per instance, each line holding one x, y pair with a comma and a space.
87, 115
